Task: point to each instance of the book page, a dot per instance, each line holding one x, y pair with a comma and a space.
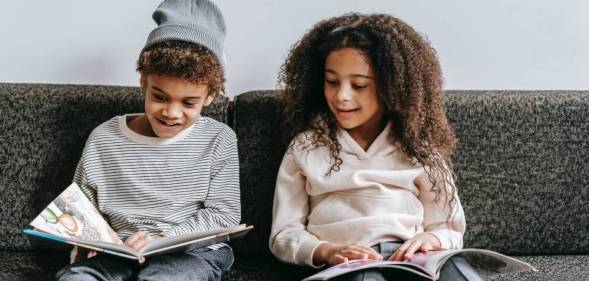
192, 239
72, 215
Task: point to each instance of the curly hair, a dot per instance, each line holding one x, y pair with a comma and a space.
409, 84
188, 61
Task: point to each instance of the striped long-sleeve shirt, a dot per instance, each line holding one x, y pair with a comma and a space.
166, 187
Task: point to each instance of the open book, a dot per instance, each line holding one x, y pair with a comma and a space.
428, 265
72, 219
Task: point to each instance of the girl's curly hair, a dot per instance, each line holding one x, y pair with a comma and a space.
409, 84
188, 61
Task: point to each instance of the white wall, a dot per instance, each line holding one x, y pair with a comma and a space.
499, 44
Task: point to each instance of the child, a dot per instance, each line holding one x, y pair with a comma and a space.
368, 174
167, 171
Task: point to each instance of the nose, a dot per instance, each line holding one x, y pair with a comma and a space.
344, 93
172, 111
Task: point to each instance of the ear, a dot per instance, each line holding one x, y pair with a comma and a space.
142, 82
209, 99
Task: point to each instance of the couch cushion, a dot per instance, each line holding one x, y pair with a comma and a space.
27, 265
521, 162
43, 131
559, 267
523, 176
257, 117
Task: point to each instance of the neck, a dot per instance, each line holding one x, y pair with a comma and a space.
140, 125
365, 135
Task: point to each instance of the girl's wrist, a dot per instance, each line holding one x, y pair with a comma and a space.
321, 253
434, 240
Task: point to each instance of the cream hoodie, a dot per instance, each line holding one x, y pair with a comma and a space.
375, 196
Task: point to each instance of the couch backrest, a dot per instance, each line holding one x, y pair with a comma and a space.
43, 129
521, 160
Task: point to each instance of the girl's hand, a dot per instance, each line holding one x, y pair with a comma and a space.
332, 254
422, 242
138, 240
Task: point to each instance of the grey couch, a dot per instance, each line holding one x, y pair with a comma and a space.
521, 162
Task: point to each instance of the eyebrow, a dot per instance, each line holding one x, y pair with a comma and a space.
164, 92
355, 75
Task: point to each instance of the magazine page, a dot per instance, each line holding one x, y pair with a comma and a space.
485, 262
191, 240
72, 215
354, 265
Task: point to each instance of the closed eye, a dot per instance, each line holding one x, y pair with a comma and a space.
189, 104
159, 97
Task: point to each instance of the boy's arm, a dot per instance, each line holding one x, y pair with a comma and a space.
80, 178
289, 239
445, 223
222, 206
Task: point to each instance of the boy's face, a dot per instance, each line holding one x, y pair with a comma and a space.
172, 104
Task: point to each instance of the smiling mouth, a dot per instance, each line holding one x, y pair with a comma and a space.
347, 110
167, 123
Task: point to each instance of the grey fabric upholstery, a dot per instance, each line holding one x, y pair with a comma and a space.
521, 162
522, 169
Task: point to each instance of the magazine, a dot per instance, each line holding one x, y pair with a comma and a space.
428, 265
72, 219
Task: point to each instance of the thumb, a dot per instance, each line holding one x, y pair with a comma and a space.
339, 259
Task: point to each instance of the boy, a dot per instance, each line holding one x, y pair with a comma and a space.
167, 171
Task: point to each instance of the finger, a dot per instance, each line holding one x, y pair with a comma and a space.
365, 252
369, 251
131, 239
135, 239
337, 259
398, 255
91, 254
412, 249
353, 254
139, 243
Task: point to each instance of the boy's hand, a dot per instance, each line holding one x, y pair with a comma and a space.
422, 242
138, 240
82, 254
332, 254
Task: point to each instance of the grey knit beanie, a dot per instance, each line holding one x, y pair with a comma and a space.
196, 21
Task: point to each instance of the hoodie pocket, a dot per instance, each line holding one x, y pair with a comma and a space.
342, 206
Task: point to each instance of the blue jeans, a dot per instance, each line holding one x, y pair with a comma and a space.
200, 264
455, 269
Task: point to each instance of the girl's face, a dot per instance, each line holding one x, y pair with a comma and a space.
350, 91
172, 104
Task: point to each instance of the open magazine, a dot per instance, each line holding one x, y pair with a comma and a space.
72, 219
428, 265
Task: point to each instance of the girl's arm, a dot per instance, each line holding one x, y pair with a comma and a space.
443, 226
445, 223
289, 239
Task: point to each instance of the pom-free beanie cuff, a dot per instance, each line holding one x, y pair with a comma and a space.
194, 21
186, 33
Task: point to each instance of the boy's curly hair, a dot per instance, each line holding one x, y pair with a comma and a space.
409, 85
188, 61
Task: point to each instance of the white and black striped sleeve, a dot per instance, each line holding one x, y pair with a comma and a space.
222, 206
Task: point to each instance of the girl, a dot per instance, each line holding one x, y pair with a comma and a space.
368, 174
